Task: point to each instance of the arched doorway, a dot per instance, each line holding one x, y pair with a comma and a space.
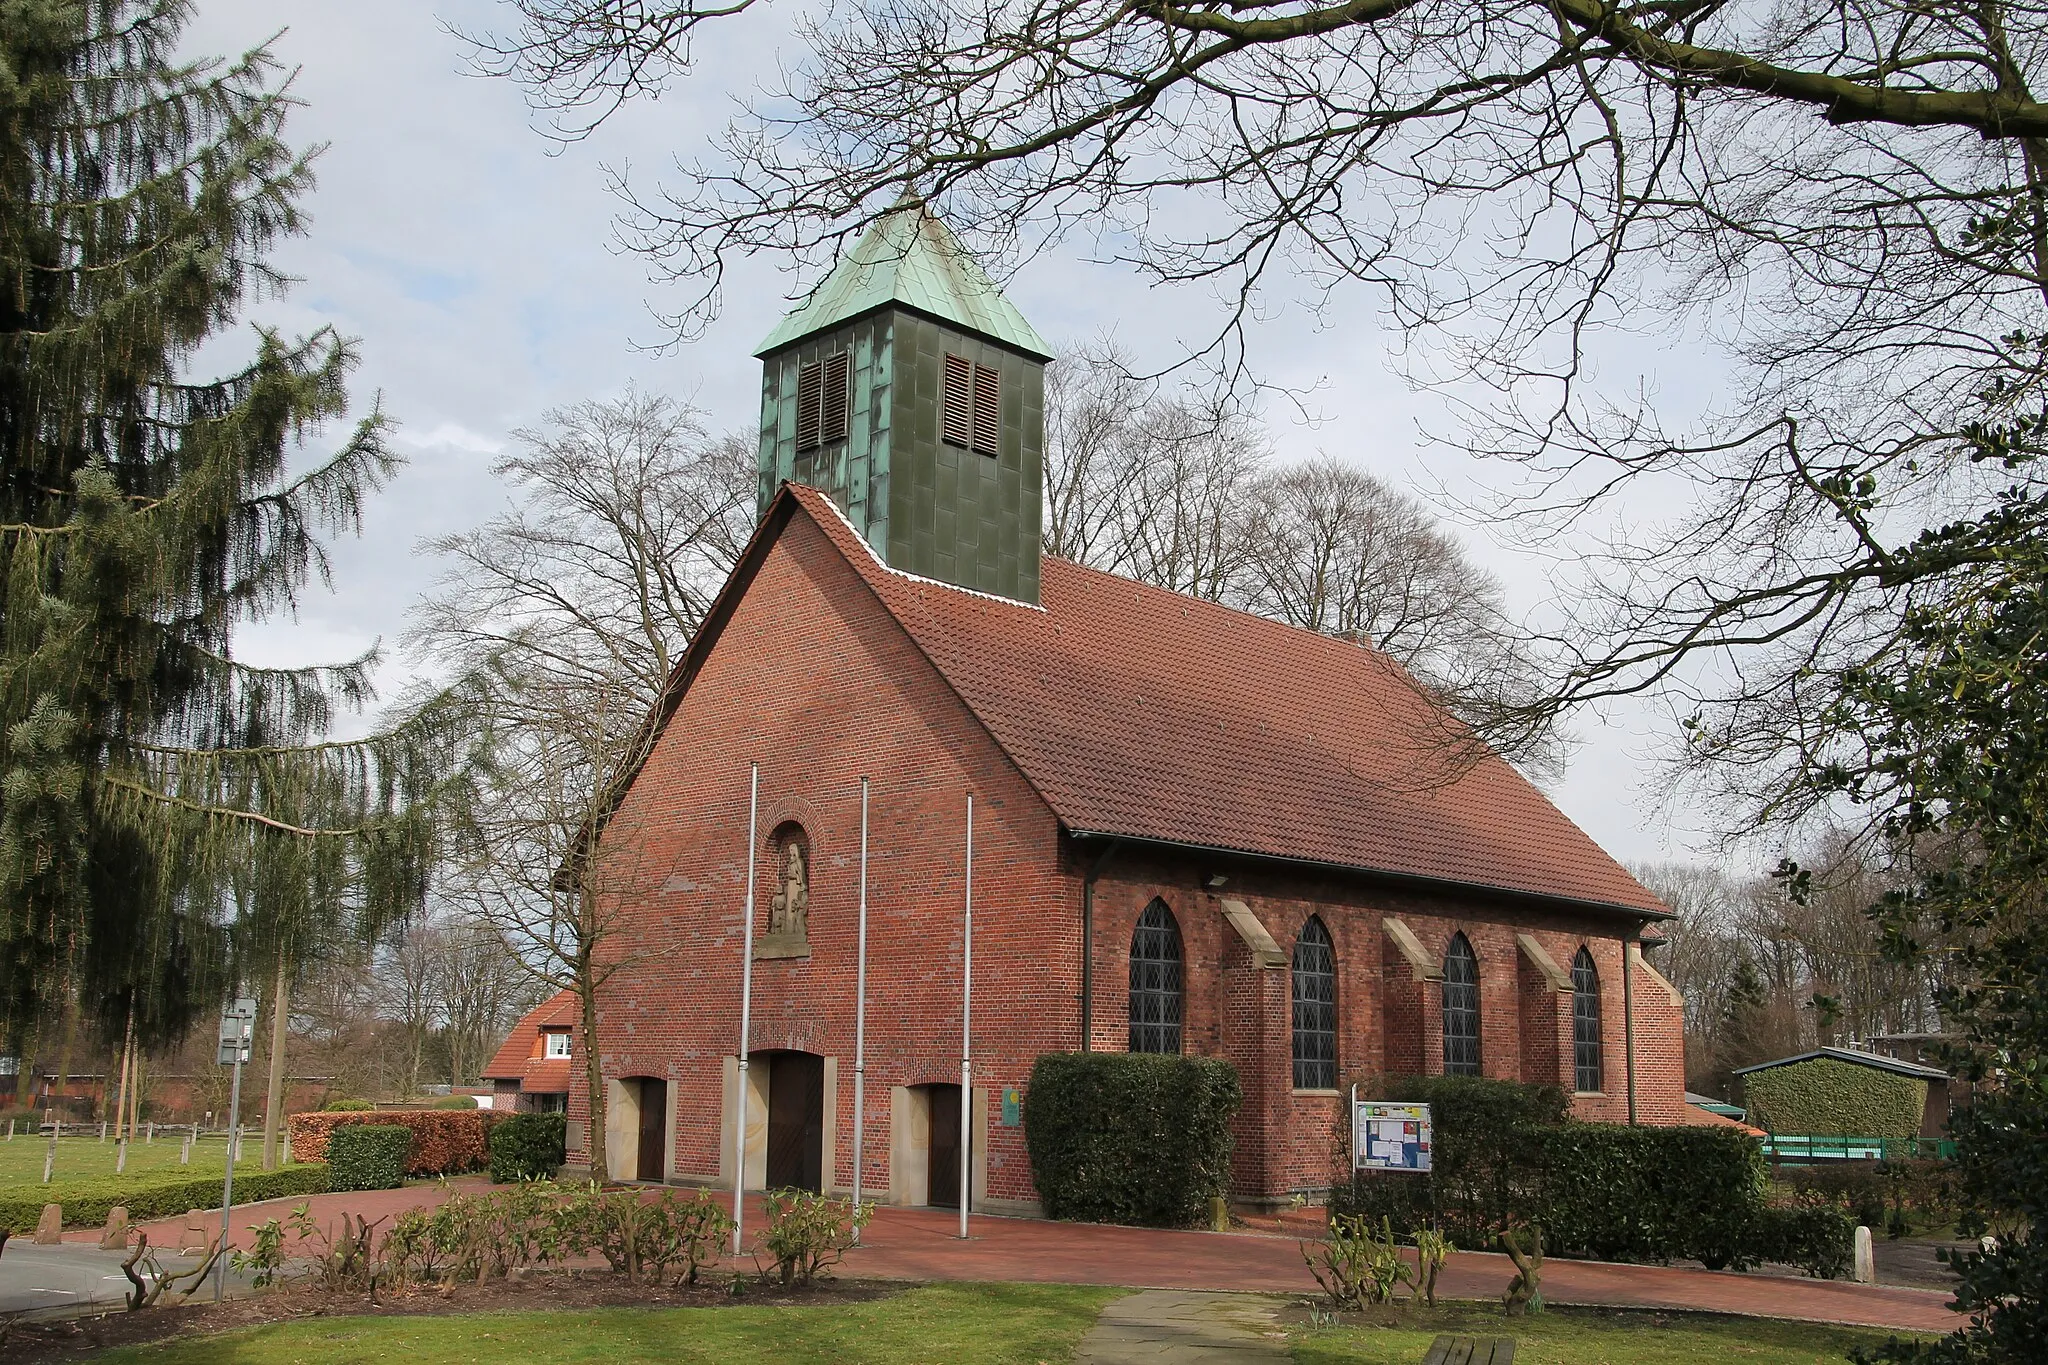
796, 1121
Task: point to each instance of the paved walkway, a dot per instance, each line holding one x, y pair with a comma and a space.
923, 1244
1174, 1327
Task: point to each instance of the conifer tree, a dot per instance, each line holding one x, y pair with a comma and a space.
147, 511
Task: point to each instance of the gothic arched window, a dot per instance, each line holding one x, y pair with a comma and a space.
1315, 1009
1461, 1009
1155, 981
1586, 1070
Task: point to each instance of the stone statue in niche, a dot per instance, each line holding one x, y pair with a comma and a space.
789, 910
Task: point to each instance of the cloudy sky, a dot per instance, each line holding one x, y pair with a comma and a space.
477, 263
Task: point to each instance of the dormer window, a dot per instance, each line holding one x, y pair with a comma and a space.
821, 401
971, 406
556, 1045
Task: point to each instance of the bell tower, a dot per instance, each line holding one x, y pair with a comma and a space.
910, 391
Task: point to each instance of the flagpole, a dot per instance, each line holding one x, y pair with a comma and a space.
967, 1026
860, 1009
739, 1136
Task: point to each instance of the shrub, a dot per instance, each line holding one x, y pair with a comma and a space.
809, 1232
1130, 1137
446, 1141
347, 1106
528, 1147
1817, 1237
454, 1102
639, 1236
1831, 1098
1505, 1155
86, 1201
1854, 1187
369, 1156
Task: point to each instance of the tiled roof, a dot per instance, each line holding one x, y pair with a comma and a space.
910, 257
517, 1059
1140, 713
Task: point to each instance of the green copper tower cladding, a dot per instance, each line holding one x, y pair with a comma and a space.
909, 390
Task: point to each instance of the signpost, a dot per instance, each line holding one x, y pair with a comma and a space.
237, 1026
1389, 1137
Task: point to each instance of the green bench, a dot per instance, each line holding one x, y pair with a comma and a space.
1450, 1350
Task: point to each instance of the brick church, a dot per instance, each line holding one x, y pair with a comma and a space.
1195, 830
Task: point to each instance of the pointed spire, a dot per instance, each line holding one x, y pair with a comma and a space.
911, 259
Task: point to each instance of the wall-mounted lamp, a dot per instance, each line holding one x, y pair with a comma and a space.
1214, 880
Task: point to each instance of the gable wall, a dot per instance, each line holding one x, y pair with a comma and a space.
814, 681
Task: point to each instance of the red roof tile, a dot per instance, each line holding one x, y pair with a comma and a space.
1145, 714
516, 1060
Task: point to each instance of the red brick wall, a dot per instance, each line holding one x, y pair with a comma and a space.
816, 682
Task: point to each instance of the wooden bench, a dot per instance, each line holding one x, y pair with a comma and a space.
1450, 1350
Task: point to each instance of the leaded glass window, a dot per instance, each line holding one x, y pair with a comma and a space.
1586, 1068
1155, 981
1461, 1009
1315, 1009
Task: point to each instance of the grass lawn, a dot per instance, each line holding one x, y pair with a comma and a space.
995, 1324
85, 1158
1590, 1338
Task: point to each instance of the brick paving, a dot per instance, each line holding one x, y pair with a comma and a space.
922, 1244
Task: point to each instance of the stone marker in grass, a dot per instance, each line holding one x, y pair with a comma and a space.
50, 1227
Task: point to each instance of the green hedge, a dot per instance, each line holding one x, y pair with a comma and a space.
86, 1201
528, 1147
454, 1102
1130, 1137
347, 1107
1505, 1152
369, 1156
1828, 1098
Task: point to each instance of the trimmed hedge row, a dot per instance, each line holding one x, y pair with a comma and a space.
1823, 1097
445, 1141
86, 1201
1505, 1153
369, 1156
529, 1147
1130, 1137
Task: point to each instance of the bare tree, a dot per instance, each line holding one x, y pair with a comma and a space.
550, 866
1770, 966
1843, 198
484, 991
409, 976
629, 515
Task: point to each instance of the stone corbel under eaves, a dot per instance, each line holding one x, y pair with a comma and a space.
1421, 963
1265, 952
1560, 980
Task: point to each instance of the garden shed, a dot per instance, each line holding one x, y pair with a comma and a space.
1846, 1092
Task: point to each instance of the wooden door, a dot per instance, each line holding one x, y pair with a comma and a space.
653, 1129
796, 1121
943, 1185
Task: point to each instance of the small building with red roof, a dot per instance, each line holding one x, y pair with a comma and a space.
530, 1073
1193, 829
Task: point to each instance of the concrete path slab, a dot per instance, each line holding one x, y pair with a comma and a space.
1176, 1327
